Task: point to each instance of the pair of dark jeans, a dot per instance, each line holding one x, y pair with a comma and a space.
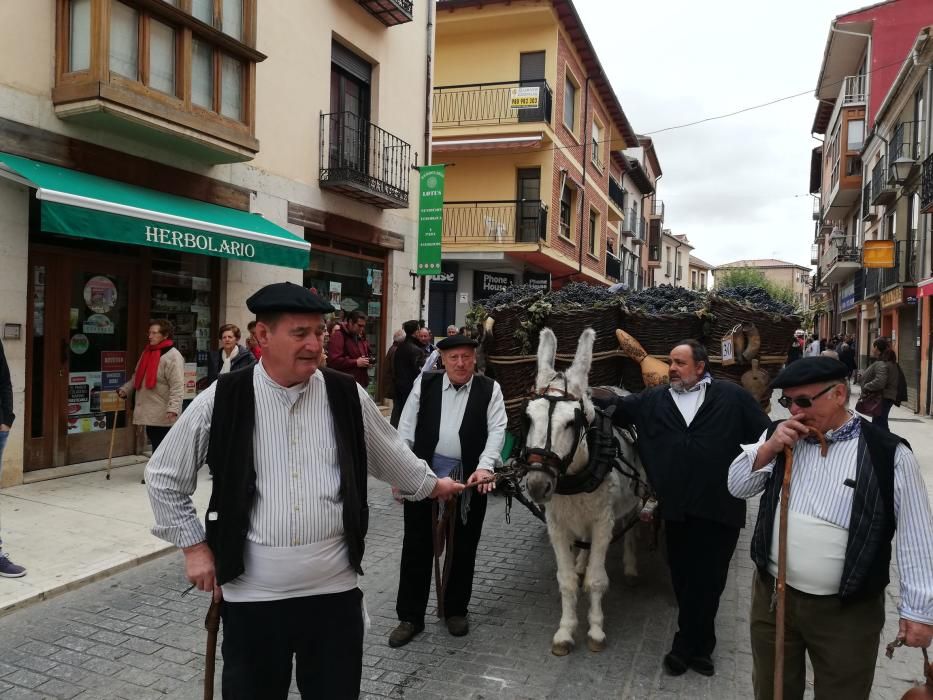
881, 420
414, 584
698, 554
156, 434
4, 434
324, 633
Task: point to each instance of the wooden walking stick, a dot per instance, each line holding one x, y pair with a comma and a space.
113, 436
212, 625
781, 584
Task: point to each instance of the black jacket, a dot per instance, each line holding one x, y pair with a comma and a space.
215, 361
6, 392
688, 466
408, 361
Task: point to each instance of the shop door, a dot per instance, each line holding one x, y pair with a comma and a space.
84, 334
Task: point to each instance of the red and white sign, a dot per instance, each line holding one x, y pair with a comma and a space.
113, 361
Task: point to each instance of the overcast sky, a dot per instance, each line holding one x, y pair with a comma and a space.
738, 186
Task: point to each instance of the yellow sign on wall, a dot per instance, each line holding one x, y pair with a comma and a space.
525, 97
878, 254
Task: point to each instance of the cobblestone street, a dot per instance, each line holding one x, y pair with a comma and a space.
134, 636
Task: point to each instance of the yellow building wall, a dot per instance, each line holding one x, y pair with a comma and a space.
494, 177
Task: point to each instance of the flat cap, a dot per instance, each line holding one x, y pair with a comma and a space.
810, 370
456, 341
286, 297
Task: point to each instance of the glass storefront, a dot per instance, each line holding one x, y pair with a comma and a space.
353, 283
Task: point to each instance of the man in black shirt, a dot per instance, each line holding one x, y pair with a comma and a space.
407, 364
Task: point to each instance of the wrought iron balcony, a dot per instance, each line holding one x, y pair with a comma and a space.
882, 185
629, 225
906, 265
616, 194
495, 222
657, 209
613, 267
364, 162
872, 283
639, 236
389, 12
926, 186
905, 143
839, 262
488, 104
867, 214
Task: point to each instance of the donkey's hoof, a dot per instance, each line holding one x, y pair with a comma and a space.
596, 644
561, 648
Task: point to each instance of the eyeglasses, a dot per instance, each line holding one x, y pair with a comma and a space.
803, 401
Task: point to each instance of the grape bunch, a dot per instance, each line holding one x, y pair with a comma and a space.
757, 297
582, 294
511, 296
666, 299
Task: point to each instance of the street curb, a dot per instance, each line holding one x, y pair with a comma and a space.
81, 582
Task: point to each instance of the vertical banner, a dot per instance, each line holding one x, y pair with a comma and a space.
431, 219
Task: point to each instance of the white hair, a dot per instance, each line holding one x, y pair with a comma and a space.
398, 336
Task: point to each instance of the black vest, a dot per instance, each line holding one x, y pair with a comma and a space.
871, 525
473, 430
230, 454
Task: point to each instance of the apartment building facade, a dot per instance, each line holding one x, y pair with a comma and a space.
862, 196
166, 158
533, 133
700, 274
673, 260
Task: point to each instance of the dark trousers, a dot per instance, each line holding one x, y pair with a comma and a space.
698, 554
156, 434
417, 566
324, 633
881, 420
841, 639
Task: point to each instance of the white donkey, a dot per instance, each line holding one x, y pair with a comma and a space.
556, 447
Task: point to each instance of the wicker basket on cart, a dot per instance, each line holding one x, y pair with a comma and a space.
568, 323
658, 333
775, 330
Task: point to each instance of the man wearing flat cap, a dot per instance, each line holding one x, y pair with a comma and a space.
291, 445
845, 511
454, 420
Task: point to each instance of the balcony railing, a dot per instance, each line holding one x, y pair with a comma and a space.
654, 253
905, 143
906, 265
882, 186
926, 186
817, 209
853, 90
617, 194
495, 221
629, 225
362, 161
872, 283
613, 267
657, 209
642, 232
866, 201
487, 104
389, 12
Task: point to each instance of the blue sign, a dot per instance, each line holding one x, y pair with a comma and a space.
847, 297
111, 381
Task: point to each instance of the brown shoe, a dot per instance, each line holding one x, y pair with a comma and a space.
403, 634
458, 626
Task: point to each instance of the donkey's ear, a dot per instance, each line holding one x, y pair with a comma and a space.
579, 372
547, 348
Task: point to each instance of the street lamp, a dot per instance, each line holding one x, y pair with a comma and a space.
902, 168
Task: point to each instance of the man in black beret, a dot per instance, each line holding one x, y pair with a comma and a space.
845, 510
291, 446
454, 420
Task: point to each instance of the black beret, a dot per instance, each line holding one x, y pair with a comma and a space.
456, 341
285, 297
810, 370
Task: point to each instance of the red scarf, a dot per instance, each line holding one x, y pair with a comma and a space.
148, 367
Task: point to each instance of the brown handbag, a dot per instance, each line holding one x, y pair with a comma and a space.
869, 405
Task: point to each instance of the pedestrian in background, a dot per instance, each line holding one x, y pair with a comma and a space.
813, 349
386, 389
292, 447
251, 342
845, 511
881, 378
452, 330
231, 356
847, 355
158, 384
348, 350
408, 361
796, 347
7, 568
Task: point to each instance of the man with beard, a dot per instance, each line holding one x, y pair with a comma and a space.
688, 435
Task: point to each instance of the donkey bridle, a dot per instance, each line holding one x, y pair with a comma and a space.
544, 459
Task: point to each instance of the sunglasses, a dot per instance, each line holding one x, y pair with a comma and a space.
803, 401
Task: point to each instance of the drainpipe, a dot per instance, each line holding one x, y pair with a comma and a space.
428, 75
926, 244
586, 109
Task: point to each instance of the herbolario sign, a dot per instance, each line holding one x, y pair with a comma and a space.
212, 244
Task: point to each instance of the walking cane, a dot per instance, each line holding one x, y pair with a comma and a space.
781, 584
212, 625
113, 436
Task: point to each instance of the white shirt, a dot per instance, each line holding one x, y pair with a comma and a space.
813, 349
297, 499
818, 490
453, 406
689, 402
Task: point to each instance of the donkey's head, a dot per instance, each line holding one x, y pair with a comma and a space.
557, 416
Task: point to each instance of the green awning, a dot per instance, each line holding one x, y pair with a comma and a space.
87, 206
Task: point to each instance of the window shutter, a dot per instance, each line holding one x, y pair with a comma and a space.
345, 59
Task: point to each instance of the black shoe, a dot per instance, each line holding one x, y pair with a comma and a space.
703, 665
674, 665
458, 626
404, 633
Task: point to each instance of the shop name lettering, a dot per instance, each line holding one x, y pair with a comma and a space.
495, 283
199, 241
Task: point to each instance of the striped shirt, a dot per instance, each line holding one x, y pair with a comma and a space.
818, 490
297, 500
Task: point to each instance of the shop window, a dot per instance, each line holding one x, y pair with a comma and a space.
570, 102
597, 145
79, 58
124, 40
566, 212
594, 233
162, 57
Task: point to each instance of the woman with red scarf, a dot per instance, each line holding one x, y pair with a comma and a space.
159, 383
